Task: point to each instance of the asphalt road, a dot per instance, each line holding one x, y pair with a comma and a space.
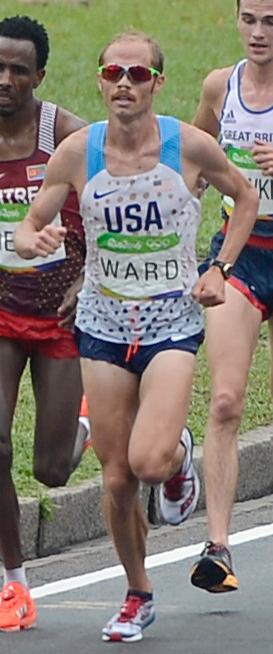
77, 592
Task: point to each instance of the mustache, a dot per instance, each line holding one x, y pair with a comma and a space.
121, 94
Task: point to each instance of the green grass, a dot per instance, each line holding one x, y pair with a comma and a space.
195, 37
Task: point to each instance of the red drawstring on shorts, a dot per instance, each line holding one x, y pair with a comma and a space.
132, 349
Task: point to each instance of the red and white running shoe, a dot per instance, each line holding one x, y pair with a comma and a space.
179, 495
127, 626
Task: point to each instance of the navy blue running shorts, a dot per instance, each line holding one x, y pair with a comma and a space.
252, 274
117, 353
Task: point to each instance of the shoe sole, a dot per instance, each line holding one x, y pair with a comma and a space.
18, 628
117, 637
213, 577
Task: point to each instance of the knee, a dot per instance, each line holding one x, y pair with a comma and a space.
5, 455
152, 468
120, 487
52, 474
227, 406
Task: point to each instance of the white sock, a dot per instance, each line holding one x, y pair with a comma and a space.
15, 574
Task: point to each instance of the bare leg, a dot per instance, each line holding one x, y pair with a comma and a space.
270, 326
58, 389
109, 386
136, 430
132, 550
155, 453
233, 330
12, 359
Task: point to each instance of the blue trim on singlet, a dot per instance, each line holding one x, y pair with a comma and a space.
243, 105
95, 148
171, 146
170, 151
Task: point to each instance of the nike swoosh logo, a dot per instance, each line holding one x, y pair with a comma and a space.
97, 195
2, 175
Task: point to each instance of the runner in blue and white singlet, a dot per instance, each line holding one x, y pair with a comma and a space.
141, 262
139, 322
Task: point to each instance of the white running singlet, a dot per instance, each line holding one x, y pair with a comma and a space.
239, 127
141, 263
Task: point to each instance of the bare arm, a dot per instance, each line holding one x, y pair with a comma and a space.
209, 108
229, 181
210, 288
211, 101
35, 236
67, 123
206, 158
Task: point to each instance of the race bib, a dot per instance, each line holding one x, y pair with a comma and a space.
139, 267
10, 216
264, 185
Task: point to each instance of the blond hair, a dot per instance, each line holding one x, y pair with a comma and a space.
156, 52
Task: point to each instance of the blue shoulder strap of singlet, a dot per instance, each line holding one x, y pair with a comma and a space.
170, 152
95, 148
171, 142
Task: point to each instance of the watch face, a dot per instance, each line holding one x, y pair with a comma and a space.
227, 269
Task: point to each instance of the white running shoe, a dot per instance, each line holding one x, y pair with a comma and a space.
127, 626
179, 495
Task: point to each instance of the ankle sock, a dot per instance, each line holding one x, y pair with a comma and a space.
15, 574
147, 597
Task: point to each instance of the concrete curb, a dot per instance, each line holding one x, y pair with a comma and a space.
77, 512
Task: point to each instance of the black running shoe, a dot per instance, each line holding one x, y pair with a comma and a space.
213, 570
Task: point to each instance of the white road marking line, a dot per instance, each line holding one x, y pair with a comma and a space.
153, 561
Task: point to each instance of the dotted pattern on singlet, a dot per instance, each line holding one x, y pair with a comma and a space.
150, 320
138, 229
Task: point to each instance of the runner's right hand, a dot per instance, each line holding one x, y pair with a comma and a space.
46, 241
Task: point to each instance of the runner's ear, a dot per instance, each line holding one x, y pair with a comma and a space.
40, 73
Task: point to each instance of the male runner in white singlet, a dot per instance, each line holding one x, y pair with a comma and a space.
237, 105
139, 321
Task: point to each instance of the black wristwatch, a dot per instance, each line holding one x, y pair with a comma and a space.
226, 268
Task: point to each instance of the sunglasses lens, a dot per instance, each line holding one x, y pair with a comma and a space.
140, 73
137, 74
112, 73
